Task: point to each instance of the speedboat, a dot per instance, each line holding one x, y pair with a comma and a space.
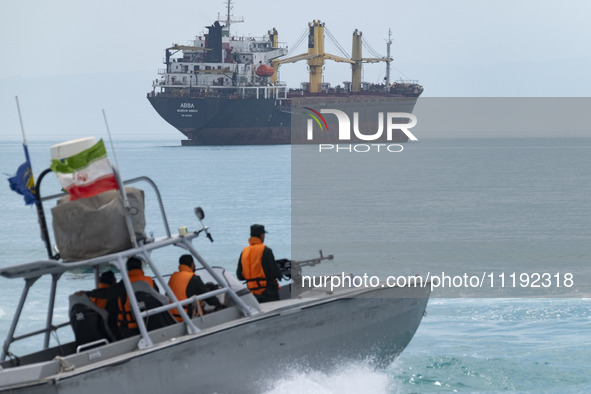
223, 351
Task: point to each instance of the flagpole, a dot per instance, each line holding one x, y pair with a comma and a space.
20, 118
25, 147
38, 204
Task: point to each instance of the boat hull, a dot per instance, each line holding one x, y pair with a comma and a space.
292, 335
252, 121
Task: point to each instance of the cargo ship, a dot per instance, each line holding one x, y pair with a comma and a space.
224, 90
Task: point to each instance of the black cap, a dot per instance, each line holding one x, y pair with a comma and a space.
256, 230
133, 263
186, 259
108, 277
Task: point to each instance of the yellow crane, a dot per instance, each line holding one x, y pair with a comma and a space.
316, 57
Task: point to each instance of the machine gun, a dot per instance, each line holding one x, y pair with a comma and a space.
291, 269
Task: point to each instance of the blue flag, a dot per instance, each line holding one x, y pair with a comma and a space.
23, 182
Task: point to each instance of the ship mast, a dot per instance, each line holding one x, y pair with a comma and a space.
228, 21
388, 44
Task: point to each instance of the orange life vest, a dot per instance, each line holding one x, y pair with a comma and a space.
178, 284
125, 317
252, 269
101, 302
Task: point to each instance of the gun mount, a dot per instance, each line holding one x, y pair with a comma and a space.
292, 269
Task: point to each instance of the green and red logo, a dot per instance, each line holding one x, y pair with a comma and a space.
317, 117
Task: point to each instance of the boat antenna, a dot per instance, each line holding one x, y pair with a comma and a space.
110, 140
126, 205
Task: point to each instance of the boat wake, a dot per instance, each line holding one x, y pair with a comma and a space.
349, 378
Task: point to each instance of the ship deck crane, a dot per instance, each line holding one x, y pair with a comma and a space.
316, 57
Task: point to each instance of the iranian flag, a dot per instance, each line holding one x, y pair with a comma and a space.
87, 173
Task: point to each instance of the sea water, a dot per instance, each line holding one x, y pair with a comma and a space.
463, 344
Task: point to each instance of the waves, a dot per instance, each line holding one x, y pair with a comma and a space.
350, 378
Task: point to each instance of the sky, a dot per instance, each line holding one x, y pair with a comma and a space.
67, 60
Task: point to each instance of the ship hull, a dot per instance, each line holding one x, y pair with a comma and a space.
251, 121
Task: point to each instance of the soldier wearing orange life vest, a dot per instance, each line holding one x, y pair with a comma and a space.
257, 266
106, 280
127, 323
125, 319
184, 284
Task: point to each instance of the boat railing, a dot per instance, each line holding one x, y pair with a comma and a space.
190, 300
406, 82
39, 332
41, 212
31, 272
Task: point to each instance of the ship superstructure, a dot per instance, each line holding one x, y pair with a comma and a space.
216, 63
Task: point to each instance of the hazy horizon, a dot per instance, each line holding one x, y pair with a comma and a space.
68, 60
